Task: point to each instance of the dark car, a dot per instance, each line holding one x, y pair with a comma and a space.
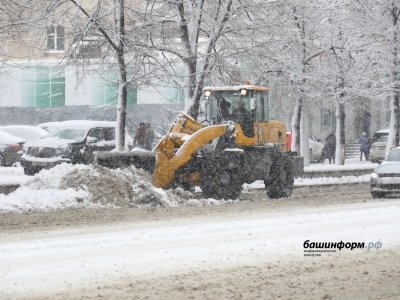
72, 142
10, 149
385, 179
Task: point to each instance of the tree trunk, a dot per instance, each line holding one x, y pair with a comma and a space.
394, 134
295, 146
190, 100
340, 133
305, 140
122, 88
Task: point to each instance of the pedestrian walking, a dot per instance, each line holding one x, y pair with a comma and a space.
148, 136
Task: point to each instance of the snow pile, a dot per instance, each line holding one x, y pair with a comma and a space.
12, 176
129, 187
69, 186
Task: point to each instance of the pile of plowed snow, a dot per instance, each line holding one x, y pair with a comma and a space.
66, 186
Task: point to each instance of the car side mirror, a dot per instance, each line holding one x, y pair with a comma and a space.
91, 140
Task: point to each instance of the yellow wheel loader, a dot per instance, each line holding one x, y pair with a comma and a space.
232, 143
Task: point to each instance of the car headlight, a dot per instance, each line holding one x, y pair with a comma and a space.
374, 175
63, 151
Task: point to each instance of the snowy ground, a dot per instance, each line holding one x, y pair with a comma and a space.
85, 260
178, 246
69, 186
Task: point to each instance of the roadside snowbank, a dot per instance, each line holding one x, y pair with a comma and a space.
351, 164
69, 186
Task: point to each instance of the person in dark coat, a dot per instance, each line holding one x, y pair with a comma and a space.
139, 137
242, 116
364, 145
148, 136
223, 107
330, 147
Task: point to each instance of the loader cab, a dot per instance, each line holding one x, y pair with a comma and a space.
245, 105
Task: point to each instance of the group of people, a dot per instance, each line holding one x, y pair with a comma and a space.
329, 149
144, 137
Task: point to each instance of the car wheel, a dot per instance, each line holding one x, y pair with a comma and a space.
218, 181
376, 195
280, 183
30, 171
2, 161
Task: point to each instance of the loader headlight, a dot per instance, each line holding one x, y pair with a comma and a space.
374, 175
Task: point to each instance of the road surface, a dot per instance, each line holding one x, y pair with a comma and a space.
246, 250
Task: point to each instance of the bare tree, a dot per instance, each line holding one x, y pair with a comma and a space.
187, 32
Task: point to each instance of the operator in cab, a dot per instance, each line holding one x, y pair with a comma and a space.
243, 117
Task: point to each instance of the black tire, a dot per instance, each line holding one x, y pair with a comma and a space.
376, 195
280, 183
2, 161
219, 182
30, 171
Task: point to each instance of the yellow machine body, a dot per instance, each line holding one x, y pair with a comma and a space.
186, 136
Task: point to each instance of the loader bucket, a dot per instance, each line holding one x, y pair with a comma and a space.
141, 159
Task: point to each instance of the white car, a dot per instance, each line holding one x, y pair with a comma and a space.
385, 179
72, 142
377, 150
27, 132
315, 148
315, 153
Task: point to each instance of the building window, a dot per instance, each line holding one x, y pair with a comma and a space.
55, 38
105, 90
328, 120
43, 87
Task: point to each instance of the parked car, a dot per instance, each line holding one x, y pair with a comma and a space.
71, 142
26, 132
10, 149
314, 145
316, 148
377, 151
385, 179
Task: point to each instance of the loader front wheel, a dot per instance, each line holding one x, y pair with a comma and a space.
280, 183
221, 183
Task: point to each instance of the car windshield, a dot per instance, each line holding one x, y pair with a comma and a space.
382, 138
394, 155
68, 133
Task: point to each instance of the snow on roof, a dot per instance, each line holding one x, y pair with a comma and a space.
386, 130
7, 138
26, 132
48, 124
84, 124
236, 88
78, 123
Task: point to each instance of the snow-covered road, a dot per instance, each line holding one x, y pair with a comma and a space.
66, 260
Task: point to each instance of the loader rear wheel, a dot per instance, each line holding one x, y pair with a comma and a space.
221, 183
280, 183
